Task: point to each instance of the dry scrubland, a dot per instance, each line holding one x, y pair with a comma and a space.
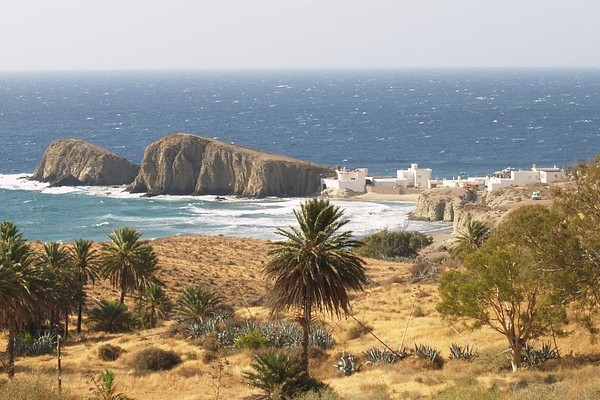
232, 267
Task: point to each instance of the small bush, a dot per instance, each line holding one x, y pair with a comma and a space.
155, 359
108, 352
251, 340
357, 330
424, 271
389, 244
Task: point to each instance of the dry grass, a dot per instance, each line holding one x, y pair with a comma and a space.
232, 267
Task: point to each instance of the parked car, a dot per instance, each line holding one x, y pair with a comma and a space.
536, 195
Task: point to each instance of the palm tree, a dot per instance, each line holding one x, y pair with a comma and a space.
129, 264
110, 316
85, 262
57, 260
195, 303
472, 238
152, 305
314, 267
25, 288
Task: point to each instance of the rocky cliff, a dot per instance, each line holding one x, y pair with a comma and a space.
71, 162
440, 204
189, 164
460, 206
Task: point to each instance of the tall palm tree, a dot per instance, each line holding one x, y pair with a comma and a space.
129, 264
314, 267
25, 288
85, 262
57, 260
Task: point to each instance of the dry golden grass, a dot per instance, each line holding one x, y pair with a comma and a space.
398, 311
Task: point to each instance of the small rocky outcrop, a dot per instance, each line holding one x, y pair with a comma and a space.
182, 164
440, 204
71, 162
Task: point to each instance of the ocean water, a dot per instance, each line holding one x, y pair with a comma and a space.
476, 121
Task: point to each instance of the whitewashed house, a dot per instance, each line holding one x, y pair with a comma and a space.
414, 177
351, 179
522, 178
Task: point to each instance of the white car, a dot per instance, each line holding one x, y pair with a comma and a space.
536, 195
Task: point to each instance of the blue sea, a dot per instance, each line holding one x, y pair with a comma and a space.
477, 121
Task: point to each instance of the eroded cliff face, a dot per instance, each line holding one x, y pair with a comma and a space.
71, 162
189, 164
440, 204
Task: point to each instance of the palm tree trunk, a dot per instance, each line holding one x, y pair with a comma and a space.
305, 335
10, 347
79, 315
66, 323
123, 287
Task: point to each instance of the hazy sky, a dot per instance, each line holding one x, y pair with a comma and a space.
194, 34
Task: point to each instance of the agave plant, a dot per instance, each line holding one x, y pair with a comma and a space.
347, 364
532, 356
427, 352
457, 352
375, 355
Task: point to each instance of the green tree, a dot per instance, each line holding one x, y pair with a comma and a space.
85, 263
56, 259
25, 289
152, 305
578, 202
508, 284
195, 303
314, 267
129, 263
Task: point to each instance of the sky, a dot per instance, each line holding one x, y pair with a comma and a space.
273, 34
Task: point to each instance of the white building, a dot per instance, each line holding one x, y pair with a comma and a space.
522, 178
351, 179
414, 177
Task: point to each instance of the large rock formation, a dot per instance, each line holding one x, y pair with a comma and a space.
189, 164
440, 204
71, 162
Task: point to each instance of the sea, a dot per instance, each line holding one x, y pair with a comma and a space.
453, 121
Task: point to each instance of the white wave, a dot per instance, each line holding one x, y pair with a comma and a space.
20, 182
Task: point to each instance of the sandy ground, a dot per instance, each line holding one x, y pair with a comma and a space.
411, 197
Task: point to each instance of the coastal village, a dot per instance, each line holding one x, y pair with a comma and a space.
358, 180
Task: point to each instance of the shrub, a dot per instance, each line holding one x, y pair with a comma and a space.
105, 388
424, 271
389, 244
357, 330
155, 359
251, 340
110, 316
108, 352
43, 344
